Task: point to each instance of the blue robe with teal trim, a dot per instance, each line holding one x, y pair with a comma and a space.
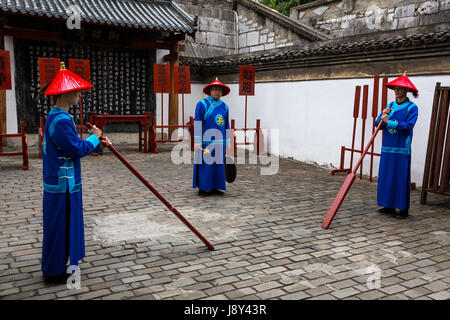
210, 114
394, 177
62, 150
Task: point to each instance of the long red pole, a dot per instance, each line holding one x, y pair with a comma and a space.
162, 118
156, 193
245, 131
374, 117
364, 117
1, 140
81, 119
182, 106
347, 184
355, 118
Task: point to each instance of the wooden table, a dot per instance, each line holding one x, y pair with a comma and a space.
144, 121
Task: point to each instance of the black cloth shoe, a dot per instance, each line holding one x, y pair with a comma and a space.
57, 279
386, 210
204, 193
217, 191
403, 214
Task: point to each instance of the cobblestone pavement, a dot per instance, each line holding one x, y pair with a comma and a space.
266, 230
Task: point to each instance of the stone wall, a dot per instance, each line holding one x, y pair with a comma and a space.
258, 33
250, 27
340, 18
216, 35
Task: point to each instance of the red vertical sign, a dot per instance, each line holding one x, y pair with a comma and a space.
81, 68
5, 71
48, 67
161, 78
182, 79
246, 81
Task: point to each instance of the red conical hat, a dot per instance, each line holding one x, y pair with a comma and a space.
207, 89
404, 82
66, 81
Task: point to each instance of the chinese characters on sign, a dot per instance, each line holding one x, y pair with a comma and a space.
119, 76
98, 35
5, 71
182, 79
246, 81
161, 78
48, 67
81, 68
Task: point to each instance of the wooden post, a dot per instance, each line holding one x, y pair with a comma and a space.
355, 118
182, 111
191, 132
25, 165
258, 128
364, 117
233, 137
245, 125
374, 117
445, 173
441, 124
2, 93
173, 96
431, 137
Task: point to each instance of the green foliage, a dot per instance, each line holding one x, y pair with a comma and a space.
283, 6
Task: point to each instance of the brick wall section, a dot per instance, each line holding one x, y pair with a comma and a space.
342, 18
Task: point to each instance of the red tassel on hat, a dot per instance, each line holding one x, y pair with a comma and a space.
404, 82
66, 81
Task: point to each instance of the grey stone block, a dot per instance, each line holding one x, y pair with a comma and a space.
243, 27
445, 5
244, 50
252, 38
320, 10
405, 11
428, 7
407, 22
230, 42
263, 39
228, 28
216, 39
306, 21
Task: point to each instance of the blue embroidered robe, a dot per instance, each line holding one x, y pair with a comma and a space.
210, 114
394, 177
62, 150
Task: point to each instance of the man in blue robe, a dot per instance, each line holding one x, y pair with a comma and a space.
394, 177
211, 137
62, 203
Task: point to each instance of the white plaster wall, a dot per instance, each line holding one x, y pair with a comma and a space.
11, 105
315, 118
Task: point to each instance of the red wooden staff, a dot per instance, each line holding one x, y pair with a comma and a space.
363, 117
347, 184
155, 192
355, 118
374, 117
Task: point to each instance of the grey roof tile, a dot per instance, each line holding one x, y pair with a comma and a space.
158, 14
324, 49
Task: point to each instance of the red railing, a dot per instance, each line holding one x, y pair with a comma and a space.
22, 135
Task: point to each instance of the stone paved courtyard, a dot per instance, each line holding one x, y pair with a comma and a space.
266, 231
